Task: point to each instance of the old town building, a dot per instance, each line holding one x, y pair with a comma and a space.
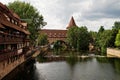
14, 41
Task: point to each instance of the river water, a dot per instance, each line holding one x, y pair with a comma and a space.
72, 69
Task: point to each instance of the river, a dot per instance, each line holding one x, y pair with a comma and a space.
81, 69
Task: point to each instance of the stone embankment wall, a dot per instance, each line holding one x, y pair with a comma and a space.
113, 52
6, 67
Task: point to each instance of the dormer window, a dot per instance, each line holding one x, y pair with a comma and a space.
12, 21
15, 22
20, 25
8, 18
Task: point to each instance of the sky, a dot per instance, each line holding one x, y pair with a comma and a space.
89, 13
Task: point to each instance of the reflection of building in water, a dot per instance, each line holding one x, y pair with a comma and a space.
14, 40
54, 35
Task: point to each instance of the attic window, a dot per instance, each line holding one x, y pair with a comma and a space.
20, 25
15, 22
8, 18
12, 21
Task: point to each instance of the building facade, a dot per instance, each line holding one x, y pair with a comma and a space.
14, 41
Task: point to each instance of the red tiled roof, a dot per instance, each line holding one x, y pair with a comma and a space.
54, 33
58, 33
11, 14
71, 23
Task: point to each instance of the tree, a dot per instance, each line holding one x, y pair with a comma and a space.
72, 36
101, 29
116, 25
117, 40
78, 38
104, 40
58, 47
93, 36
83, 39
42, 39
28, 13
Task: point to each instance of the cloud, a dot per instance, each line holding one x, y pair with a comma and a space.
103, 9
91, 13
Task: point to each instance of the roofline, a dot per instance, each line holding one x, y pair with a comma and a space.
54, 29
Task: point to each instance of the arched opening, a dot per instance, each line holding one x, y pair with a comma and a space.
58, 46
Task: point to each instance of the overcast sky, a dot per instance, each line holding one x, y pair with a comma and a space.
90, 13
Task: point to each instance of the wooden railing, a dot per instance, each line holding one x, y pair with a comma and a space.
7, 54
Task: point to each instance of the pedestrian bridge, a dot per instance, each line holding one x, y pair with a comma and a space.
54, 35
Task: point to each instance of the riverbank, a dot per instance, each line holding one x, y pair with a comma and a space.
59, 57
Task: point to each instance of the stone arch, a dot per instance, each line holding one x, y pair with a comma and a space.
62, 42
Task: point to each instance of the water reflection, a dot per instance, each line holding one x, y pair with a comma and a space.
116, 64
72, 69
114, 61
82, 69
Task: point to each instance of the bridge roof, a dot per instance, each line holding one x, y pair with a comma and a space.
54, 33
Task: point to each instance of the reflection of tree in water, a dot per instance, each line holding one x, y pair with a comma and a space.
72, 59
116, 64
41, 59
114, 61
102, 59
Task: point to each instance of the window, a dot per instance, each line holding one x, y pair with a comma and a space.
12, 21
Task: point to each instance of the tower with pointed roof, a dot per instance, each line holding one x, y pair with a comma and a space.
71, 23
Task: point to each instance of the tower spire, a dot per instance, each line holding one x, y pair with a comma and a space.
71, 23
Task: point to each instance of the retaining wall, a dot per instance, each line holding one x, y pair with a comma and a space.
113, 52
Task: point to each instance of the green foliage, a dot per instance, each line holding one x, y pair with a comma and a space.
116, 25
93, 37
72, 36
103, 50
117, 40
104, 40
105, 37
42, 39
101, 29
58, 47
78, 38
28, 13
